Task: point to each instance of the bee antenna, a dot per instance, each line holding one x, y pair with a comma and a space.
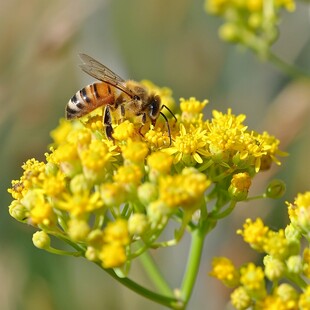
164, 106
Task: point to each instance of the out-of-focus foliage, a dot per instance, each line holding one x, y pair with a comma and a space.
172, 43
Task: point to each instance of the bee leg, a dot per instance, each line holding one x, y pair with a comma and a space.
143, 121
107, 122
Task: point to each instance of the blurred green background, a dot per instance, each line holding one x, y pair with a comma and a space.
175, 44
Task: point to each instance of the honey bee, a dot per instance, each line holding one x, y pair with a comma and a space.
128, 99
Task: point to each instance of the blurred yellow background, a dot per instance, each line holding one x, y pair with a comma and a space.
172, 43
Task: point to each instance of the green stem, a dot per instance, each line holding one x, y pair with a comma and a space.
160, 299
154, 274
287, 68
193, 263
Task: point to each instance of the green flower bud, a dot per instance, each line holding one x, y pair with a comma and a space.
41, 240
18, 211
275, 189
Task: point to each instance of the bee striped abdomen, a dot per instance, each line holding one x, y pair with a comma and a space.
88, 99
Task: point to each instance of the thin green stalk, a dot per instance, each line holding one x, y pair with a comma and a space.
160, 299
154, 274
287, 68
193, 263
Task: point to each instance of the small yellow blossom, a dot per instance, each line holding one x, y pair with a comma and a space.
299, 212
157, 137
55, 185
124, 131
191, 110
40, 211
96, 156
112, 255
80, 137
147, 193
271, 302
288, 295
239, 186
224, 270
116, 232
183, 190
59, 135
131, 174
276, 244
80, 203
160, 162
138, 224
294, 264
112, 194
254, 233
78, 229
135, 151
240, 298
274, 268
304, 299
252, 278
189, 146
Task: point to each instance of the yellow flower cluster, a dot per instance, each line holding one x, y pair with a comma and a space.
252, 23
286, 263
104, 196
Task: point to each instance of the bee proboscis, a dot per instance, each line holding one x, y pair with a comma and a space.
128, 98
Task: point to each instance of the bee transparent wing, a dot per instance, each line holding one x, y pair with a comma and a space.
103, 73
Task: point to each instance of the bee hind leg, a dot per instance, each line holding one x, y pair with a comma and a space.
107, 122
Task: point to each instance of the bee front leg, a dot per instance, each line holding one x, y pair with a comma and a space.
107, 122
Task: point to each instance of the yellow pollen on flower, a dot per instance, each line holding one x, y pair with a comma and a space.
157, 137
95, 123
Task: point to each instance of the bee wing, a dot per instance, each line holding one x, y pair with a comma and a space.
100, 72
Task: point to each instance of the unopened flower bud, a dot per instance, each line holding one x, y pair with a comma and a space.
41, 240
275, 189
